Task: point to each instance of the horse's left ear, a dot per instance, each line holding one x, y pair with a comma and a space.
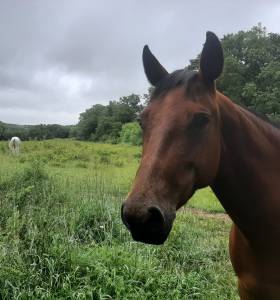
155, 72
212, 58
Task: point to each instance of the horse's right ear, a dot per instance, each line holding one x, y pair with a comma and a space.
212, 58
154, 71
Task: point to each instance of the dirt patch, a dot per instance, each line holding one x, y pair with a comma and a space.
206, 214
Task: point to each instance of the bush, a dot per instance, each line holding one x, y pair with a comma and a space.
131, 134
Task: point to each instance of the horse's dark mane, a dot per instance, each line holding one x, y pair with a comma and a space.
173, 80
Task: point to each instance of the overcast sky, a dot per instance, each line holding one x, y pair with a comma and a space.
58, 58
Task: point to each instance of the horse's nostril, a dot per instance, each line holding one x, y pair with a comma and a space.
155, 217
151, 218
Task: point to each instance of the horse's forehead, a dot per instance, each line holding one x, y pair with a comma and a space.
176, 103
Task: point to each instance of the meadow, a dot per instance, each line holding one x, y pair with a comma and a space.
61, 236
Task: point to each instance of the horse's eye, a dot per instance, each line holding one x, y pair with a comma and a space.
200, 120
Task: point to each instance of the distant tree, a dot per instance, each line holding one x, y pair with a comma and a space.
12, 130
89, 121
147, 96
133, 102
2, 131
265, 91
56, 131
37, 132
26, 132
104, 123
119, 112
73, 131
107, 130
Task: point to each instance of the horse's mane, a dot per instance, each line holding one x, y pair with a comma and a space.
173, 80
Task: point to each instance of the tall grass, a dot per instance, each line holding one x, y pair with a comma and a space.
61, 235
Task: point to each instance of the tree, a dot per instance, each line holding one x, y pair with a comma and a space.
133, 103
267, 91
2, 131
107, 130
104, 123
88, 121
147, 97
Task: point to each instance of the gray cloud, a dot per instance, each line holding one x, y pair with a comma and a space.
58, 58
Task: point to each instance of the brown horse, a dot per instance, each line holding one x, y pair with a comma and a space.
194, 136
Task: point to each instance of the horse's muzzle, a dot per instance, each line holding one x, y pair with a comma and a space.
147, 224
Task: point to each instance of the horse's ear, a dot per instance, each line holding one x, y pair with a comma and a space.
154, 71
212, 58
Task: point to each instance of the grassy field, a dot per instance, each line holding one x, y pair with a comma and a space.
61, 236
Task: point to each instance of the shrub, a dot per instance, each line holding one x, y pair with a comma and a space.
131, 133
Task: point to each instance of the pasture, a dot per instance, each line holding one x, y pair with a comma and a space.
61, 235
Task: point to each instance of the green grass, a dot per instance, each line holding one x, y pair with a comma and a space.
61, 236
205, 199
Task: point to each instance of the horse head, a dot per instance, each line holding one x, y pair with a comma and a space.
181, 143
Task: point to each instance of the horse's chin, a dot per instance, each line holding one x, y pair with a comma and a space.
148, 223
152, 236
155, 239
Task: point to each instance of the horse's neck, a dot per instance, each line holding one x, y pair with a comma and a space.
247, 182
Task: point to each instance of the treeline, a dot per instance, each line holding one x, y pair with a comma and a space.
34, 132
251, 77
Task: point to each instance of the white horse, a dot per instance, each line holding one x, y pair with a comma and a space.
14, 144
